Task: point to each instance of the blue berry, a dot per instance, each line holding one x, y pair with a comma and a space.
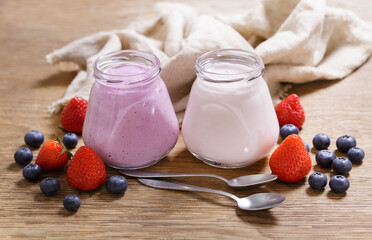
50, 186
339, 184
72, 203
345, 142
355, 154
34, 138
116, 184
23, 156
307, 147
70, 140
32, 172
324, 158
321, 141
317, 181
287, 130
341, 166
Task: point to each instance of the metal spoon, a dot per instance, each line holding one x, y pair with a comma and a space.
243, 181
258, 201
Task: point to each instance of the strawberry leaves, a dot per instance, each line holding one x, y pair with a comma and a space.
64, 149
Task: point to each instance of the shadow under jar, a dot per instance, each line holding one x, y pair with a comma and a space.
230, 121
130, 121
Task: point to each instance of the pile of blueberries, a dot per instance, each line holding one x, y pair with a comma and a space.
341, 166
51, 186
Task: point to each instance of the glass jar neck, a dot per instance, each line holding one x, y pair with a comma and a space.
127, 67
229, 66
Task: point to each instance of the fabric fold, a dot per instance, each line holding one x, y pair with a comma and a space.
298, 40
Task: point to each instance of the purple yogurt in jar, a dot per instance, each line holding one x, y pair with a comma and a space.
130, 121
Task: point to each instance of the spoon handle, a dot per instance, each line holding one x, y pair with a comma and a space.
146, 174
163, 184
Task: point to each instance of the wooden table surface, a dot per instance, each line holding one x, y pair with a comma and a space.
31, 29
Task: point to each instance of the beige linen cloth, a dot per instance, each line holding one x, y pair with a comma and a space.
298, 40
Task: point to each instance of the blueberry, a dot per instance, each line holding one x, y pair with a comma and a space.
32, 172
287, 130
307, 147
339, 184
324, 158
72, 202
34, 138
355, 154
341, 166
50, 186
321, 141
70, 140
23, 156
345, 142
318, 181
116, 184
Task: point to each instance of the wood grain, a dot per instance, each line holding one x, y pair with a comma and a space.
31, 29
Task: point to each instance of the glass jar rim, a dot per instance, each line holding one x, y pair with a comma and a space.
123, 57
244, 57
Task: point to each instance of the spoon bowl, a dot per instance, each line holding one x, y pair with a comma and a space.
251, 180
258, 201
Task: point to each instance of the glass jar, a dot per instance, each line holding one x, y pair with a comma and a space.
230, 120
130, 121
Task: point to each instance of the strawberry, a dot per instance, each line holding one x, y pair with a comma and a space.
52, 156
290, 161
290, 111
86, 170
73, 114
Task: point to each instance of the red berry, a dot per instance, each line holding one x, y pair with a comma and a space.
86, 170
73, 114
290, 161
290, 111
50, 157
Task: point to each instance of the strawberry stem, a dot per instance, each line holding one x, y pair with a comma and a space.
64, 149
64, 130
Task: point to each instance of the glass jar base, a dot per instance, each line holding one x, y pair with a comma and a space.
218, 164
145, 166
133, 168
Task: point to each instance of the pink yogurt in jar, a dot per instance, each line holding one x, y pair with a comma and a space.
230, 121
130, 121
